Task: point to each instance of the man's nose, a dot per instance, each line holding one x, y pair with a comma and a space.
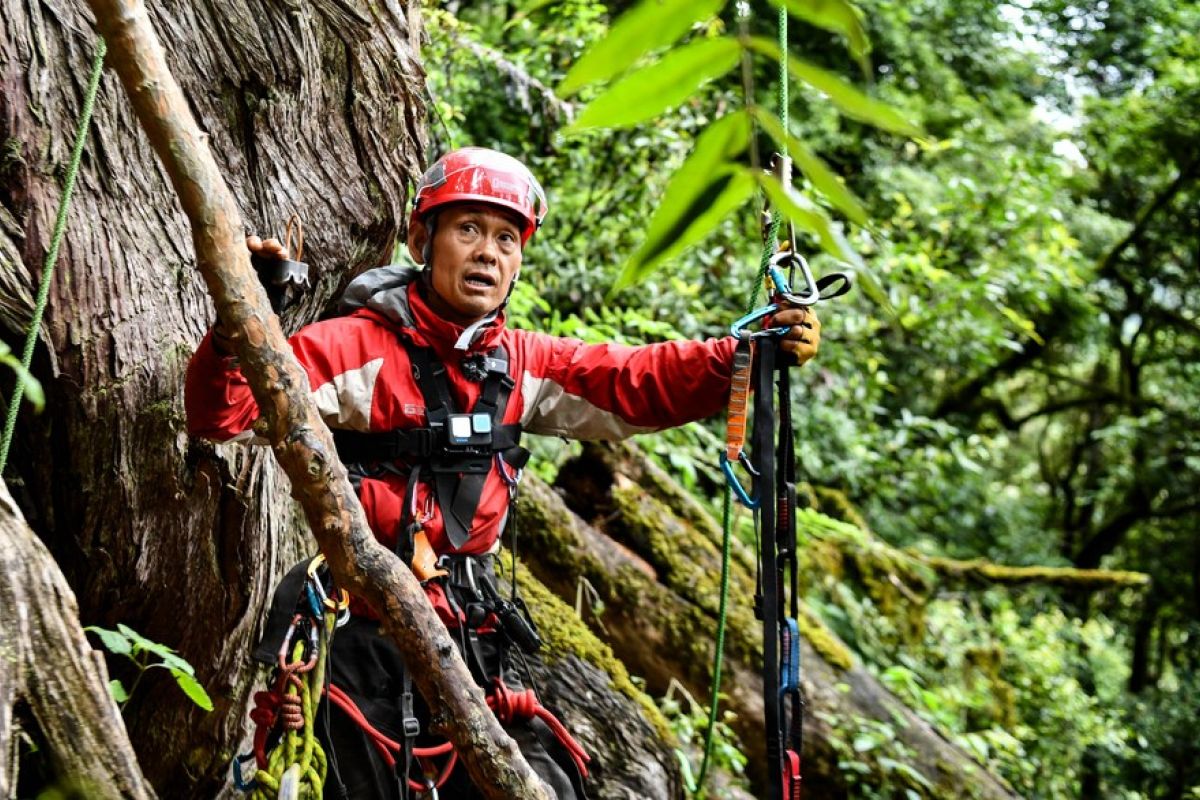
486, 249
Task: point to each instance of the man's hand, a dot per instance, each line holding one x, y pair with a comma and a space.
804, 338
266, 248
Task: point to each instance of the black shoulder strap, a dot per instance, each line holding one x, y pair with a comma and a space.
459, 481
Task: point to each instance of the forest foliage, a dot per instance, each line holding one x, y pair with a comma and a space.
1020, 388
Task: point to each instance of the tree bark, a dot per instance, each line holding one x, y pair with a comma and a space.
299, 437
50, 667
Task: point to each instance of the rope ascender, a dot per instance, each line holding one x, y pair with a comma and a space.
771, 463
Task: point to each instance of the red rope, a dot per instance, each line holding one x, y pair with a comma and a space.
510, 707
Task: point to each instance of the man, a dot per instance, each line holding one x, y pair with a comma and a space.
427, 392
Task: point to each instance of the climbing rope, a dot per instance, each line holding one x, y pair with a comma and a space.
60, 226
297, 767
768, 251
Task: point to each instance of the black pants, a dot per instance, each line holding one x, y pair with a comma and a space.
367, 665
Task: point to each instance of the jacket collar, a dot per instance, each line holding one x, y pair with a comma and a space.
395, 293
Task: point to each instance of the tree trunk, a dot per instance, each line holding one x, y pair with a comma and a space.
655, 561
50, 668
314, 109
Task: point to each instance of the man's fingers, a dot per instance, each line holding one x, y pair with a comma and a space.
270, 248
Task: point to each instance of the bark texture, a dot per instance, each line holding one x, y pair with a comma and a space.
39, 625
313, 108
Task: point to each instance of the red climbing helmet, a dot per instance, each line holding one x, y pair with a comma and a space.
488, 176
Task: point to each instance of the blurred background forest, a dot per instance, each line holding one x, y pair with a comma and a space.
1024, 394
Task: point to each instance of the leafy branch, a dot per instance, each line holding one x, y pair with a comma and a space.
147, 655
714, 181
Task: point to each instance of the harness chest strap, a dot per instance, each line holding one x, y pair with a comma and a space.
458, 449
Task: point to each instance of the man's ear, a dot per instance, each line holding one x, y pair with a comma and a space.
418, 237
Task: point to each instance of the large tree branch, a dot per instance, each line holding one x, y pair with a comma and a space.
300, 440
1186, 173
48, 664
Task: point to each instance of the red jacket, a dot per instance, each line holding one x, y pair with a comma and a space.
362, 381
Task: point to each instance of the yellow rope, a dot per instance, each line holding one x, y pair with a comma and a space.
300, 748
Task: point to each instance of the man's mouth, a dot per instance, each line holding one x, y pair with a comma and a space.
480, 280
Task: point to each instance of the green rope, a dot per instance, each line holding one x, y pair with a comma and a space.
768, 251
772, 237
60, 226
769, 244
299, 752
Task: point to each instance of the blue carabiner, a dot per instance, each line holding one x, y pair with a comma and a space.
735, 484
239, 779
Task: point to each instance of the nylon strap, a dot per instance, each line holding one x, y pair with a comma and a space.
764, 452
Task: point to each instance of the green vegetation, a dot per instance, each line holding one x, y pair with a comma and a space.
1013, 405
146, 655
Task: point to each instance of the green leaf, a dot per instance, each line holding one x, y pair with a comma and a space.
30, 385
116, 691
836, 16
822, 177
647, 26
192, 688
720, 143
863, 743
141, 643
649, 91
853, 102
113, 641
173, 661
726, 192
809, 216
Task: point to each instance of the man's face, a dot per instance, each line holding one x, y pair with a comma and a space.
476, 254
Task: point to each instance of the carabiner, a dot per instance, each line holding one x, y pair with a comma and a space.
735, 484
239, 778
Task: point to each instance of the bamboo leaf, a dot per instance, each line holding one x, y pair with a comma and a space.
721, 142
649, 91
647, 26
852, 101
811, 218
727, 192
816, 170
836, 16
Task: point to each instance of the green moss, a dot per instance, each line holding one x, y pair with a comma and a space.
566, 634
823, 640
989, 572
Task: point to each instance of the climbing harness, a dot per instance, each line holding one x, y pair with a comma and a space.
455, 452
457, 448
60, 227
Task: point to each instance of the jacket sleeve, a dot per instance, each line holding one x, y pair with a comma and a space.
339, 356
609, 391
216, 396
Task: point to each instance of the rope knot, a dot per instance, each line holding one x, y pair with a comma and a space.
510, 706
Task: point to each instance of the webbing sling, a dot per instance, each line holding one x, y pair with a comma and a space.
769, 604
